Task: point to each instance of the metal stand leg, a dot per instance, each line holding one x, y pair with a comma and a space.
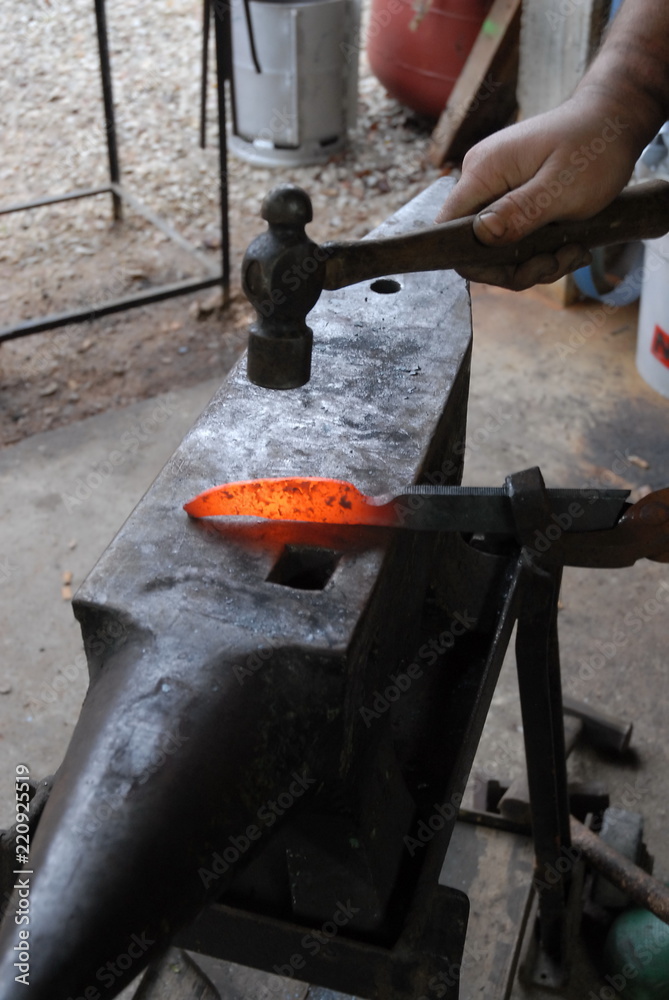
541, 707
538, 664
206, 20
222, 34
108, 100
113, 187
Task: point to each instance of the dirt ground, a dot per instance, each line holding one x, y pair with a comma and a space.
55, 378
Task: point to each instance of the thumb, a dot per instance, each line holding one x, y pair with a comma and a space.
520, 212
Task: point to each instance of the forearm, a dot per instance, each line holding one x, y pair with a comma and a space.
631, 71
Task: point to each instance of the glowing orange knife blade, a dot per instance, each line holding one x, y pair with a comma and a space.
325, 501
421, 508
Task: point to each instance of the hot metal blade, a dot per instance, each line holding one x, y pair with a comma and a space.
420, 508
315, 499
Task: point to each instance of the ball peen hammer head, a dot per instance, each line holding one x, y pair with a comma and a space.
283, 273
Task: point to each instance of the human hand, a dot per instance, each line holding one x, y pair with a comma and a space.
565, 164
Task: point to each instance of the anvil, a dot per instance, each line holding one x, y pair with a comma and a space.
253, 650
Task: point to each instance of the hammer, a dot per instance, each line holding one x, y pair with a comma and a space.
284, 272
600, 729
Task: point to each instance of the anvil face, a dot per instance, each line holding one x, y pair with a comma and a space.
242, 655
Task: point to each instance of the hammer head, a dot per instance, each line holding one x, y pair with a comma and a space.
283, 272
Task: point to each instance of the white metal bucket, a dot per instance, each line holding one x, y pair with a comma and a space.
298, 109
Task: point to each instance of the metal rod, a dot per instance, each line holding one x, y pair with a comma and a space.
494, 821
252, 41
54, 199
164, 227
560, 750
55, 320
222, 35
538, 666
419, 912
108, 101
641, 887
206, 19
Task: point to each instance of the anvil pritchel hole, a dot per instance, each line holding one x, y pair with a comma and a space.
304, 567
386, 286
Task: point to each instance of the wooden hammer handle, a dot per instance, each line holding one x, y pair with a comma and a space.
640, 212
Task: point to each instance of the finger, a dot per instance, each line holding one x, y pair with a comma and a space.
467, 197
542, 269
501, 275
515, 277
567, 259
495, 166
531, 206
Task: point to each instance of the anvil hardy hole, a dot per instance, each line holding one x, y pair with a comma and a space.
304, 567
386, 286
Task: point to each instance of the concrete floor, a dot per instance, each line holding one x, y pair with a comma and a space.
550, 387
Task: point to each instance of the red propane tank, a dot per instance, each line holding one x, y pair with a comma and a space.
417, 48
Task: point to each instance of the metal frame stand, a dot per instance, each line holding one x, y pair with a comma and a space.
213, 274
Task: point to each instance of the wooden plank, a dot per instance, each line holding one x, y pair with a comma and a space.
557, 41
484, 96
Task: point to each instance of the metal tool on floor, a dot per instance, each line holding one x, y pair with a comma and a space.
284, 272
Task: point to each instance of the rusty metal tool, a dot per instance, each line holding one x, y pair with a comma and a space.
594, 527
284, 272
623, 873
642, 888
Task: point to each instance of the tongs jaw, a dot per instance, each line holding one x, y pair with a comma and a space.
642, 532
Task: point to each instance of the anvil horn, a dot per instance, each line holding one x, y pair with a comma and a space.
144, 809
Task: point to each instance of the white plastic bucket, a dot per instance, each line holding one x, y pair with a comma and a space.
652, 352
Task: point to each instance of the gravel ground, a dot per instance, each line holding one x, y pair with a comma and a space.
52, 125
